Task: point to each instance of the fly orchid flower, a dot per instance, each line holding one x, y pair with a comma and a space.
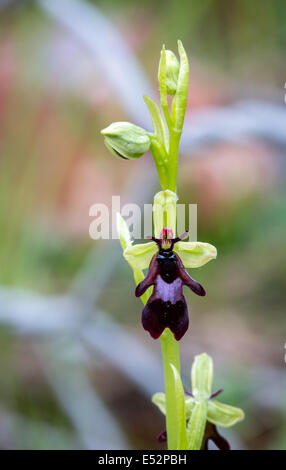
165, 258
202, 413
167, 306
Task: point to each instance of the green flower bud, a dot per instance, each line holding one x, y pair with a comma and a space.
125, 140
172, 72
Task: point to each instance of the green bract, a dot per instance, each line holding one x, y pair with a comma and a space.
125, 140
172, 71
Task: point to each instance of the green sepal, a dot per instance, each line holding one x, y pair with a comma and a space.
164, 211
223, 415
195, 254
139, 256
202, 376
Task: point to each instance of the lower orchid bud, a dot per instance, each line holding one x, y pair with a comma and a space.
125, 140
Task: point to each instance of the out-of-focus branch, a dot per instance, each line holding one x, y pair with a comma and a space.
106, 45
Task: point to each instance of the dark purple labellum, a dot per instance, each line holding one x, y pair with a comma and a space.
162, 437
211, 434
167, 307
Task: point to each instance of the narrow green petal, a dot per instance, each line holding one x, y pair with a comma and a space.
123, 232
223, 415
159, 399
195, 254
139, 256
202, 376
180, 410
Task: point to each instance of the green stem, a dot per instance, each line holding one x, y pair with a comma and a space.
169, 346
170, 355
173, 158
167, 165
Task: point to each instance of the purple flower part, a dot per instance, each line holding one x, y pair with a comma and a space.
211, 433
167, 307
162, 437
188, 393
215, 394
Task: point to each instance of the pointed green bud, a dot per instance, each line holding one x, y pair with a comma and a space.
202, 376
172, 72
125, 140
164, 211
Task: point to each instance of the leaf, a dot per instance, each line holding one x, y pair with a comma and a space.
223, 415
195, 254
180, 410
160, 130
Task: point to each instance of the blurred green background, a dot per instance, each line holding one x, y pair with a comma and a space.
54, 99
